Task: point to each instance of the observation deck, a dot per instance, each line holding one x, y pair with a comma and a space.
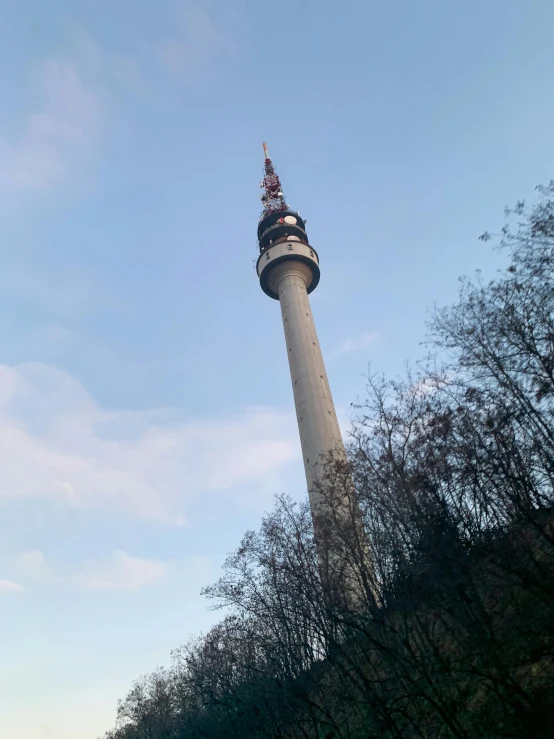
282, 238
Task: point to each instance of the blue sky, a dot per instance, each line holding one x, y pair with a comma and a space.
146, 417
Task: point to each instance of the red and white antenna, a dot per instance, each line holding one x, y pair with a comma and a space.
273, 198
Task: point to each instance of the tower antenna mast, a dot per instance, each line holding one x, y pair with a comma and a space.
272, 198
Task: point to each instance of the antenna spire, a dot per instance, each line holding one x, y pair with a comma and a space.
273, 198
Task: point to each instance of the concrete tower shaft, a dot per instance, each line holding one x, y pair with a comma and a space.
315, 411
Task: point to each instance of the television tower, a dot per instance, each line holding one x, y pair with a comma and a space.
288, 268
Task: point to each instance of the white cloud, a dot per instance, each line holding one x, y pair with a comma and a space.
196, 41
57, 442
57, 135
122, 572
9, 586
355, 343
32, 565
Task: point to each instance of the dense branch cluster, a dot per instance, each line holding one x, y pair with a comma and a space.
453, 470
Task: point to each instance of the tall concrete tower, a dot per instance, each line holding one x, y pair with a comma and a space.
288, 268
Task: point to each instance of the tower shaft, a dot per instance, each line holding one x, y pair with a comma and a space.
315, 410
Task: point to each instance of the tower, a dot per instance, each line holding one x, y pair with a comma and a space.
288, 268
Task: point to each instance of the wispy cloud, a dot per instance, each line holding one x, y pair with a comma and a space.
55, 136
9, 586
196, 41
56, 441
355, 343
117, 571
122, 572
32, 565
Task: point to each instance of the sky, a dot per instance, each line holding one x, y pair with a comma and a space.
146, 414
